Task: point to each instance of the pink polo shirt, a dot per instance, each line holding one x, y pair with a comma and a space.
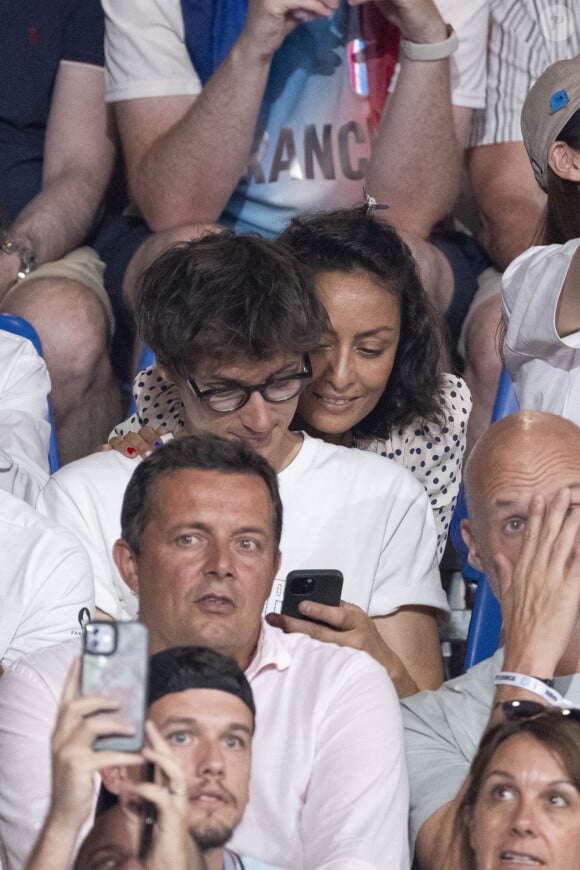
329, 783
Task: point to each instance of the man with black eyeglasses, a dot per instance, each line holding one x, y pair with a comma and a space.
522, 483
231, 319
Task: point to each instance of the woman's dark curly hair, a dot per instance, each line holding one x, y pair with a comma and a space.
349, 239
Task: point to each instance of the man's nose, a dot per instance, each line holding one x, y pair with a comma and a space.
210, 757
255, 414
219, 558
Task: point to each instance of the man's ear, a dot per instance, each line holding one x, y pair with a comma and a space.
564, 161
126, 562
469, 541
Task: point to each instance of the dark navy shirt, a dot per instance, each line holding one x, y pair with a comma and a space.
35, 35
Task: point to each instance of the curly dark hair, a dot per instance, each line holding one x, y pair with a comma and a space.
349, 239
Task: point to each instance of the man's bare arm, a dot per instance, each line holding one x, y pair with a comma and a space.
185, 154
78, 159
416, 160
509, 199
390, 640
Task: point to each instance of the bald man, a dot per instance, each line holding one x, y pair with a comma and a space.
522, 484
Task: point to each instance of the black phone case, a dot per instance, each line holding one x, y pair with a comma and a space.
327, 589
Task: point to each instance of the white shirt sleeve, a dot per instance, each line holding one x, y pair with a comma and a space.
531, 288
24, 426
544, 366
29, 697
468, 64
86, 497
145, 51
408, 571
47, 582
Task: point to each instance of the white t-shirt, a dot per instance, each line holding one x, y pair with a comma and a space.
366, 516
544, 368
146, 54
343, 509
24, 426
46, 583
432, 452
329, 784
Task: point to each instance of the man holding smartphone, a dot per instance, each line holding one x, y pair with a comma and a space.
200, 727
201, 525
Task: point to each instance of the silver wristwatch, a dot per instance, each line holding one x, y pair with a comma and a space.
28, 261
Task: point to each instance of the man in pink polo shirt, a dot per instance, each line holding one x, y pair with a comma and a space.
201, 523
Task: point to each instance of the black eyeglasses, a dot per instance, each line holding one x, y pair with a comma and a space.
227, 399
514, 710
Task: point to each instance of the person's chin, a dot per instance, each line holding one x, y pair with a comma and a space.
334, 423
333, 414
211, 834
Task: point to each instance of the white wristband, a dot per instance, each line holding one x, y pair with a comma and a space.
530, 684
431, 50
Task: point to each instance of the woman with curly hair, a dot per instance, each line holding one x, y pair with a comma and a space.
376, 378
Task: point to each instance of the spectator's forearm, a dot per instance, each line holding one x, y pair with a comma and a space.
189, 173
54, 847
59, 218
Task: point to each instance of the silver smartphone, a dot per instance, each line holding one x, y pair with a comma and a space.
115, 664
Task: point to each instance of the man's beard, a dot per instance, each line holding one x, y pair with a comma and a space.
208, 836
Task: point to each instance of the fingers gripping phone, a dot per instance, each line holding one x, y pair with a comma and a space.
321, 585
115, 664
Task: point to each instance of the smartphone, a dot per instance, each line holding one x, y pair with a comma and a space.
115, 664
321, 585
148, 817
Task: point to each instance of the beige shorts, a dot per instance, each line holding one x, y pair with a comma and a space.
84, 266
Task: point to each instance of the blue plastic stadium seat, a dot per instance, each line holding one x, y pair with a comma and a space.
485, 624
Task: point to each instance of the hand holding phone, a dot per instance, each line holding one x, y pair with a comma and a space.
115, 665
162, 804
321, 585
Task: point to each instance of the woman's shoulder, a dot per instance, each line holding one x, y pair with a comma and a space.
455, 394
537, 269
157, 403
449, 427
